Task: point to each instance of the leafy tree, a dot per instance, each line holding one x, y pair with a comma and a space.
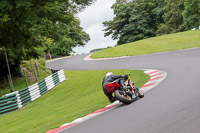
191, 14
134, 20
25, 26
173, 19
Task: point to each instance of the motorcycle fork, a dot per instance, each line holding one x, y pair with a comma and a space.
133, 88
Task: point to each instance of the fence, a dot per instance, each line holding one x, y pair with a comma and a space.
17, 79
27, 76
18, 99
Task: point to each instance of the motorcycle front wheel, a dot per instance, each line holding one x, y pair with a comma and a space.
140, 94
123, 97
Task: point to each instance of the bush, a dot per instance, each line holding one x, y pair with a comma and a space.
42, 62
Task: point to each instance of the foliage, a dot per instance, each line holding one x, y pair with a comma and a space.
42, 62
139, 19
29, 28
173, 19
134, 20
191, 14
19, 82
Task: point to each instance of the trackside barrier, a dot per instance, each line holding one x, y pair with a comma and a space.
18, 99
196, 28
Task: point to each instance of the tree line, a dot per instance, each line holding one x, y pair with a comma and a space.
139, 19
33, 28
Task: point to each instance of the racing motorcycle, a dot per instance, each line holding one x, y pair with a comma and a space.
125, 95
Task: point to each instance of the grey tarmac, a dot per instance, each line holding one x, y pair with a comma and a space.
173, 106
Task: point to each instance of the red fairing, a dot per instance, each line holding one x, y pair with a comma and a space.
112, 87
131, 83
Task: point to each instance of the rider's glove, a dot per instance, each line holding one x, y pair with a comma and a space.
125, 76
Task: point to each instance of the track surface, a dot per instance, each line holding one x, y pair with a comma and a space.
171, 107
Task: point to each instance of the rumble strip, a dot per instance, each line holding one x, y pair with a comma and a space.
156, 77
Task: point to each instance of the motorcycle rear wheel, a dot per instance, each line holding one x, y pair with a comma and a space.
126, 99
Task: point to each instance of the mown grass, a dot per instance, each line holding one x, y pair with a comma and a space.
182, 40
79, 95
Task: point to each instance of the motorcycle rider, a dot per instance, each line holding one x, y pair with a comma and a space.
111, 79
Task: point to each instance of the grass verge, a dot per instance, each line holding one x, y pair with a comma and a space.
76, 97
182, 40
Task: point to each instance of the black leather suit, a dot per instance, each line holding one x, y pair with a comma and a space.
109, 79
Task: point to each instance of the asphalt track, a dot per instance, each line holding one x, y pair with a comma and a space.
173, 106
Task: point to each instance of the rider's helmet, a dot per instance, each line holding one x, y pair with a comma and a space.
109, 73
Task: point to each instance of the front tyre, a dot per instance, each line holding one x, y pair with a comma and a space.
123, 97
140, 94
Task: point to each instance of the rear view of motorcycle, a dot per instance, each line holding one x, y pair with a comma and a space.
129, 94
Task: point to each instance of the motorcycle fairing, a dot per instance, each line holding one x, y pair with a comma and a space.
111, 87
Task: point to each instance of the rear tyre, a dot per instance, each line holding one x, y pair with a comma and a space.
126, 99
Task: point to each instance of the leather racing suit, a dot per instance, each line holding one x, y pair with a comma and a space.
120, 79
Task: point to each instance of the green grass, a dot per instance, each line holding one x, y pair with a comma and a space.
79, 95
182, 40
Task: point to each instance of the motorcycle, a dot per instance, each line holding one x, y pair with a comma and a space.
125, 95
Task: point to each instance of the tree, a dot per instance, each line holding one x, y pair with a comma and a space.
173, 19
25, 26
191, 14
134, 20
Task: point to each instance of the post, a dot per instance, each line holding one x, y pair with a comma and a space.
35, 73
32, 69
37, 69
11, 82
25, 77
31, 65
